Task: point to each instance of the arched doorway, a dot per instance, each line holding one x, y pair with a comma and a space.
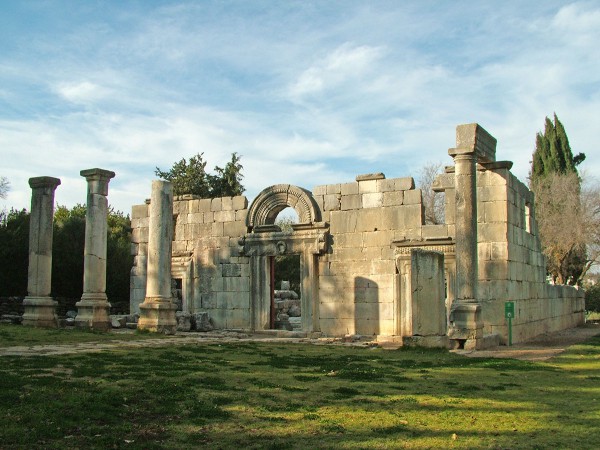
266, 240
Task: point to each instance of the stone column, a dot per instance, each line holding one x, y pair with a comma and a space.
93, 309
473, 144
40, 309
157, 312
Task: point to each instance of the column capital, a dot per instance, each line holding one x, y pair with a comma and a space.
44, 182
97, 180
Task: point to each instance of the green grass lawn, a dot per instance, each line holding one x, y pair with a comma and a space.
16, 335
261, 395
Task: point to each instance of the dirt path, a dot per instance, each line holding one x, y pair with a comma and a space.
541, 348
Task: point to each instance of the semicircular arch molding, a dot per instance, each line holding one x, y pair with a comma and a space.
274, 199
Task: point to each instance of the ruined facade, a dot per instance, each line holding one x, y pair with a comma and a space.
369, 265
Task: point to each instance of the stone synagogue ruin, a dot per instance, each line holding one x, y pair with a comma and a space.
369, 265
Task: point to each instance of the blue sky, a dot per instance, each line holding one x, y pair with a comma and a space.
308, 92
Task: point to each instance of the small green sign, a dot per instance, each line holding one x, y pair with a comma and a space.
509, 310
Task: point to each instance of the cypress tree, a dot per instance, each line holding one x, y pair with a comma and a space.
553, 152
553, 155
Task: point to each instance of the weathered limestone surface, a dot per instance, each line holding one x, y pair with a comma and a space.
93, 310
350, 237
157, 313
39, 307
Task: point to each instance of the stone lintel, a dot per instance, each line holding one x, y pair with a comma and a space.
473, 139
495, 165
97, 180
44, 182
370, 176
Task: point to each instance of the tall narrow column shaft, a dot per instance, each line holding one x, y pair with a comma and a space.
473, 144
93, 309
40, 309
466, 227
157, 312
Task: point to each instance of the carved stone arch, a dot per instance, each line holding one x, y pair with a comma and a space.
274, 199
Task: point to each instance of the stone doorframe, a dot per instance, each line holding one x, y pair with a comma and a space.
181, 267
402, 257
309, 238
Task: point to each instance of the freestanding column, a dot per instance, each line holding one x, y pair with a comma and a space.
157, 312
93, 309
40, 309
473, 144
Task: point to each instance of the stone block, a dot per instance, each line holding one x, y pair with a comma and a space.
238, 318
386, 185
412, 197
334, 189
394, 198
349, 202
139, 211
236, 284
367, 187
237, 228
343, 221
209, 300
225, 216
372, 200
496, 211
240, 202
217, 229
371, 219
491, 193
320, 190
492, 232
231, 270
349, 188
227, 203
435, 231
215, 204
377, 239
331, 202
404, 184
139, 235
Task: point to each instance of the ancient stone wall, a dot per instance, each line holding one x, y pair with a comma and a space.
355, 240
356, 275
205, 257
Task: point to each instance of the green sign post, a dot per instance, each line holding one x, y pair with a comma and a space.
509, 313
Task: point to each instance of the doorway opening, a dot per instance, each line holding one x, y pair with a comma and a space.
286, 301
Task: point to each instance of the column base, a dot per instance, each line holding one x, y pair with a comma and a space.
40, 312
157, 314
466, 326
93, 311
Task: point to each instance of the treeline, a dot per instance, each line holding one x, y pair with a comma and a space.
67, 254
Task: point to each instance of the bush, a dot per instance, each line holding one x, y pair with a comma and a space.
592, 298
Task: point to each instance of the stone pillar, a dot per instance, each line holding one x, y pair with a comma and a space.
93, 309
157, 312
473, 144
39, 308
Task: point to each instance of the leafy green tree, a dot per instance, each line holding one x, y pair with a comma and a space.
190, 177
68, 249
14, 252
556, 184
228, 181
